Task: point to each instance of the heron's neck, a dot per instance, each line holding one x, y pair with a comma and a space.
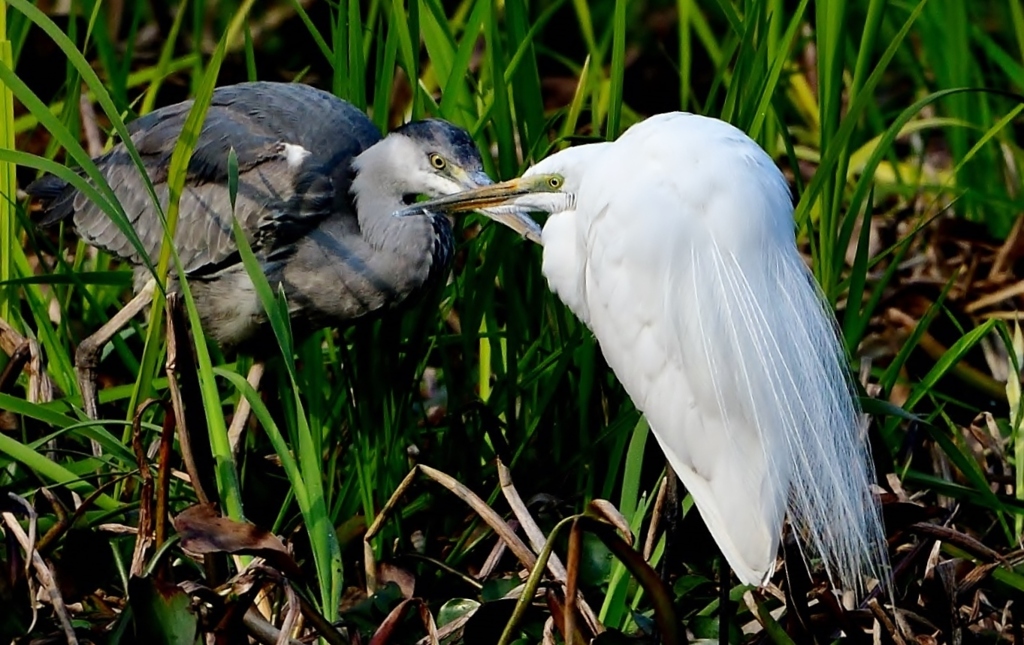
420, 244
376, 201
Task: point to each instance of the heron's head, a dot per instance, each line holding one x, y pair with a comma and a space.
429, 157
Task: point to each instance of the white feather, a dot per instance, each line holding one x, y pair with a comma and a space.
681, 257
295, 154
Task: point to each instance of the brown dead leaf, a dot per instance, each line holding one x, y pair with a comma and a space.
406, 581
387, 629
607, 511
204, 531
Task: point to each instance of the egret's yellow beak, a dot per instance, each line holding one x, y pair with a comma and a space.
494, 201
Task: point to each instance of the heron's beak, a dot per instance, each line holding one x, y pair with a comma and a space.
486, 199
476, 179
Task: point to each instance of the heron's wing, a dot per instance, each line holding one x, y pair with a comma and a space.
293, 145
708, 316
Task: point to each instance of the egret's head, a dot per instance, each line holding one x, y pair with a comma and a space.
550, 186
429, 157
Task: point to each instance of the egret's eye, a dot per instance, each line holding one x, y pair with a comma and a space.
437, 161
555, 182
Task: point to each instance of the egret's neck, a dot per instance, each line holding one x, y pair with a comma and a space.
564, 263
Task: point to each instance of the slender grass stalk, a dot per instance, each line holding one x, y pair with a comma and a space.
307, 478
829, 21
484, 364
633, 505
832, 154
502, 117
1015, 402
618, 70
685, 9
8, 230
164, 62
527, 97
52, 471
760, 112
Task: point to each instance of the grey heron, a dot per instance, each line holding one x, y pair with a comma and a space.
675, 244
317, 189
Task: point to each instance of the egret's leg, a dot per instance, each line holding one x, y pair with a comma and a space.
725, 613
87, 356
672, 521
243, 408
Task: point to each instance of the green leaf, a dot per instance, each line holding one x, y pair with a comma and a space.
162, 613
454, 609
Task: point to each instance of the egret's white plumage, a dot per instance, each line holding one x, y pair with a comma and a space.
675, 245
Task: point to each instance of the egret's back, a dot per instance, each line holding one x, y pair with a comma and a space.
681, 258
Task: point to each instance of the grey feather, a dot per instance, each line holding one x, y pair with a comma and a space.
257, 120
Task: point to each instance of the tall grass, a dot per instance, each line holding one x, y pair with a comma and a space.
341, 410
7, 173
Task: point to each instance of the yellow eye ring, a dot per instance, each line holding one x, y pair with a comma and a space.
437, 161
555, 183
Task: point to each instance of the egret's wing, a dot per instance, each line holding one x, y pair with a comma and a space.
687, 384
708, 316
293, 145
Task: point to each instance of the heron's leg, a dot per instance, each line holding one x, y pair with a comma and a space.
243, 408
88, 353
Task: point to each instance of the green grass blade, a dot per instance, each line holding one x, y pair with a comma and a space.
323, 540
164, 62
8, 185
227, 478
617, 73
501, 116
56, 473
831, 159
969, 467
313, 31
772, 80
69, 142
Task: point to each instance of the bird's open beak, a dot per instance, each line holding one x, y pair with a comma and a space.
487, 200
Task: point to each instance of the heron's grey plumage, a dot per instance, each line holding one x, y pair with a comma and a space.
317, 186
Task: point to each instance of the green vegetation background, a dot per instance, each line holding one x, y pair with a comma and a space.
897, 123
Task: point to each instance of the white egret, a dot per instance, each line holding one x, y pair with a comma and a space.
675, 244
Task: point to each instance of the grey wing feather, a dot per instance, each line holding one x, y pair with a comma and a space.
277, 200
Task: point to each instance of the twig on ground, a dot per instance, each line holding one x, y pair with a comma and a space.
43, 573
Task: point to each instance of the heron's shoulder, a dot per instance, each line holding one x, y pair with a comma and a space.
309, 116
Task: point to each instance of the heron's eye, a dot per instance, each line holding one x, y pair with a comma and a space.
555, 182
437, 161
